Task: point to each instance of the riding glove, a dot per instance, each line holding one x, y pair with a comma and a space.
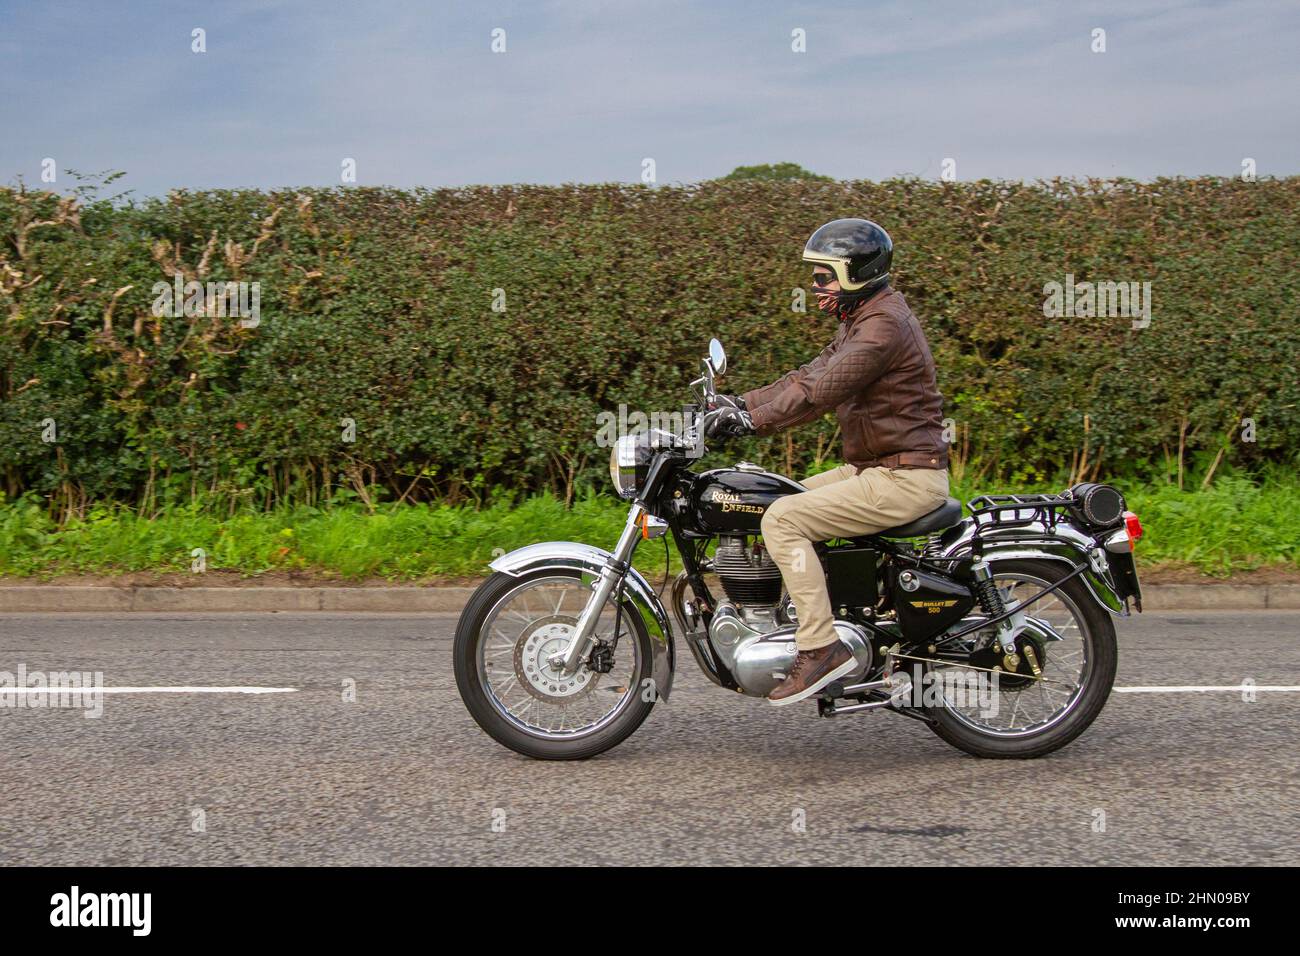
728, 423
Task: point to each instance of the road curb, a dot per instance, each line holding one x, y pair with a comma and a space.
110, 599
36, 597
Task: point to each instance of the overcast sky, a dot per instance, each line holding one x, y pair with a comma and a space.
586, 90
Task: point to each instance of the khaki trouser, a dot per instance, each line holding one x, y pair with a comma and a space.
840, 504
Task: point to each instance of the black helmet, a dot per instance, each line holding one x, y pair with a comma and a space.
857, 250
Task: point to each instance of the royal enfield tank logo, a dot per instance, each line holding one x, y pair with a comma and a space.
731, 502
934, 607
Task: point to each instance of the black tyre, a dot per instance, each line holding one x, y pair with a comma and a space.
1065, 711
506, 634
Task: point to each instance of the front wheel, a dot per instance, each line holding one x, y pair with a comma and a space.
1020, 714
508, 633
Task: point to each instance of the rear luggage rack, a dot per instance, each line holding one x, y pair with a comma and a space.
1013, 510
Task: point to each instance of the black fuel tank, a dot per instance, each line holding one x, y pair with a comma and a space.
733, 500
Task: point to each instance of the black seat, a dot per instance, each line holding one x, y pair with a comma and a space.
944, 516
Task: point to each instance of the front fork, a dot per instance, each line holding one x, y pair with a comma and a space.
611, 576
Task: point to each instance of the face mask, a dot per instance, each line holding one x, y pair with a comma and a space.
828, 302
838, 304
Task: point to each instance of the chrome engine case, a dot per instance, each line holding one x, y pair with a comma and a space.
759, 653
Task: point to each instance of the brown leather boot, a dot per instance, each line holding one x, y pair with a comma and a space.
813, 670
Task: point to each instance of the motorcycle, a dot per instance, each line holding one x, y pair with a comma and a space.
995, 630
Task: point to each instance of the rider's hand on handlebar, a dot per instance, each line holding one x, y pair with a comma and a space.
728, 423
728, 401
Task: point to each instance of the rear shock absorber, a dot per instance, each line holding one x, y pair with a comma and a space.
986, 590
991, 603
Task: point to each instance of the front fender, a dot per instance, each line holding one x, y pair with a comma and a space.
638, 593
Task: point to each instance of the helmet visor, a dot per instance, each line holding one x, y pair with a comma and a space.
838, 266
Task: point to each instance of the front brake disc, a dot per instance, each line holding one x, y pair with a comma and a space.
541, 640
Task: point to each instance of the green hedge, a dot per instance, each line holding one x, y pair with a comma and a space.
376, 306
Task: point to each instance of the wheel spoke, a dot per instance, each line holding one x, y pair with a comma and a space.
1063, 665
519, 641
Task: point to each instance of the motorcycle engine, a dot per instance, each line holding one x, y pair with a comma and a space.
751, 632
748, 573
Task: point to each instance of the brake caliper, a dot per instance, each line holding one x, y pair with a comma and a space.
601, 660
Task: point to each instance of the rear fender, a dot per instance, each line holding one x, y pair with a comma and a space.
1063, 543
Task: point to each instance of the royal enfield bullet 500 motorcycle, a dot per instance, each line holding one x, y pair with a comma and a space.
995, 630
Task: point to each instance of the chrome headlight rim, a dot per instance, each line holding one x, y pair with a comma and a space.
623, 458
629, 459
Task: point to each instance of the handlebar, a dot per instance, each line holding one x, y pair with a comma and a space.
693, 437
708, 390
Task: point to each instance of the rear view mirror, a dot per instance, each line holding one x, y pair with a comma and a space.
717, 357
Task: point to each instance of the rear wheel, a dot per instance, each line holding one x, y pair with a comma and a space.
1017, 713
505, 639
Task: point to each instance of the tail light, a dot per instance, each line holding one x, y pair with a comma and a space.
1133, 526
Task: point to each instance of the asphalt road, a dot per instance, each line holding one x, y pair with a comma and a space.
402, 775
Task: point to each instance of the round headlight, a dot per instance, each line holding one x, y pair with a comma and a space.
623, 465
629, 459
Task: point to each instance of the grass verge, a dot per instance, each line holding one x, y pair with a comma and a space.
1234, 525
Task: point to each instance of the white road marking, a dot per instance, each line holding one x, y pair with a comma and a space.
1208, 688
148, 690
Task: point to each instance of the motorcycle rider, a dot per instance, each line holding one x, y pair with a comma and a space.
878, 375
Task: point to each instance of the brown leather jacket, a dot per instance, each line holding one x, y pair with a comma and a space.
878, 375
